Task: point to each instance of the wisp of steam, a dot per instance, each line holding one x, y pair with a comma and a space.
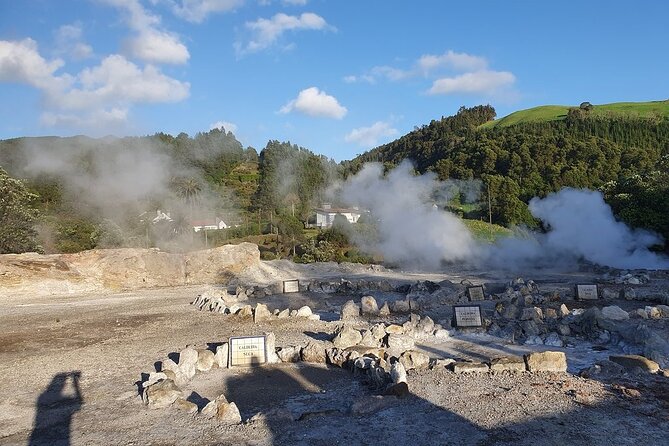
415, 233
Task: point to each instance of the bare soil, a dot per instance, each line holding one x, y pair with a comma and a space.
104, 342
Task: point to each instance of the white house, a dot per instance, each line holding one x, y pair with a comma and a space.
208, 224
325, 215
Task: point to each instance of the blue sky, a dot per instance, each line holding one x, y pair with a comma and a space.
337, 77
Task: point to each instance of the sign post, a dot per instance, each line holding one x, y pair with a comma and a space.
247, 351
467, 316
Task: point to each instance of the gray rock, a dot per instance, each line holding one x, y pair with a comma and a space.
314, 317
283, 314
161, 394
185, 405
205, 360
633, 362
261, 313
349, 311
530, 328
293, 313
221, 356
304, 311
400, 343
270, 346
384, 310
168, 364
553, 340
614, 313
314, 352
442, 333
534, 340
369, 306
210, 410
412, 359
394, 329
401, 306
188, 362
289, 354
398, 373
224, 412
548, 361
508, 363
532, 314
425, 325
368, 339
154, 377
346, 336
602, 369
563, 311
470, 367
610, 293
379, 331
245, 311
664, 310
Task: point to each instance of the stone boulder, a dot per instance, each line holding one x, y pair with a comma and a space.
161, 394
614, 313
412, 359
314, 351
548, 361
188, 362
633, 362
349, 311
261, 313
205, 360
369, 306
346, 336
508, 363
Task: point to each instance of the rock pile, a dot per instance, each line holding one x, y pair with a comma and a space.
219, 302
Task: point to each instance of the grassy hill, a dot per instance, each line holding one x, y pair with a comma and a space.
546, 113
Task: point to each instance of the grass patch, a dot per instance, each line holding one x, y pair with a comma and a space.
484, 231
547, 113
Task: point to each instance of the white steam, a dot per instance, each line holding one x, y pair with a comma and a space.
580, 223
411, 230
416, 233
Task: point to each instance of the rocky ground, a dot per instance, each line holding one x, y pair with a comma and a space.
72, 367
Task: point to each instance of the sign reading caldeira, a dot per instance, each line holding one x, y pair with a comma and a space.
587, 292
247, 351
467, 316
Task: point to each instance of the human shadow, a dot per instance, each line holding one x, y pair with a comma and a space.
56, 407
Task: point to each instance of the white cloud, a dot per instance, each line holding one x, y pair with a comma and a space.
95, 97
390, 73
369, 136
197, 11
117, 81
156, 46
228, 126
452, 60
294, 2
21, 62
352, 79
313, 102
266, 32
477, 82
69, 42
150, 43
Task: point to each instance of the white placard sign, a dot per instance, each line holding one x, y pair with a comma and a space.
247, 351
467, 316
291, 286
587, 292
475, 293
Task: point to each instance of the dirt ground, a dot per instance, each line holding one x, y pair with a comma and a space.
103, 342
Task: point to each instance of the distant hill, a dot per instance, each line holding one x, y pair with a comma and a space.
621, 149
547, 113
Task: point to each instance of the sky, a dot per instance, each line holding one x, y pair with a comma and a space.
335, 76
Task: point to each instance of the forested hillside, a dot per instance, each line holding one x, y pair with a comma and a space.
107, 192
623, 155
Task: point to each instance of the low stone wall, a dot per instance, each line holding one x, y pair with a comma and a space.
121, 269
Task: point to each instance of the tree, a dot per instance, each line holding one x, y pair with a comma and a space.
17, 216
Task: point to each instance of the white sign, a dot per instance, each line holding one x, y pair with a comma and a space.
587, 292
467, 316
291, 286
475, 293
247, 351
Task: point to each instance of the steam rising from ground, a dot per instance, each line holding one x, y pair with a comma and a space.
411, 229
124, 181
415, 233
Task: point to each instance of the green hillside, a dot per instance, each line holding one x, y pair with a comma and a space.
546, 113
